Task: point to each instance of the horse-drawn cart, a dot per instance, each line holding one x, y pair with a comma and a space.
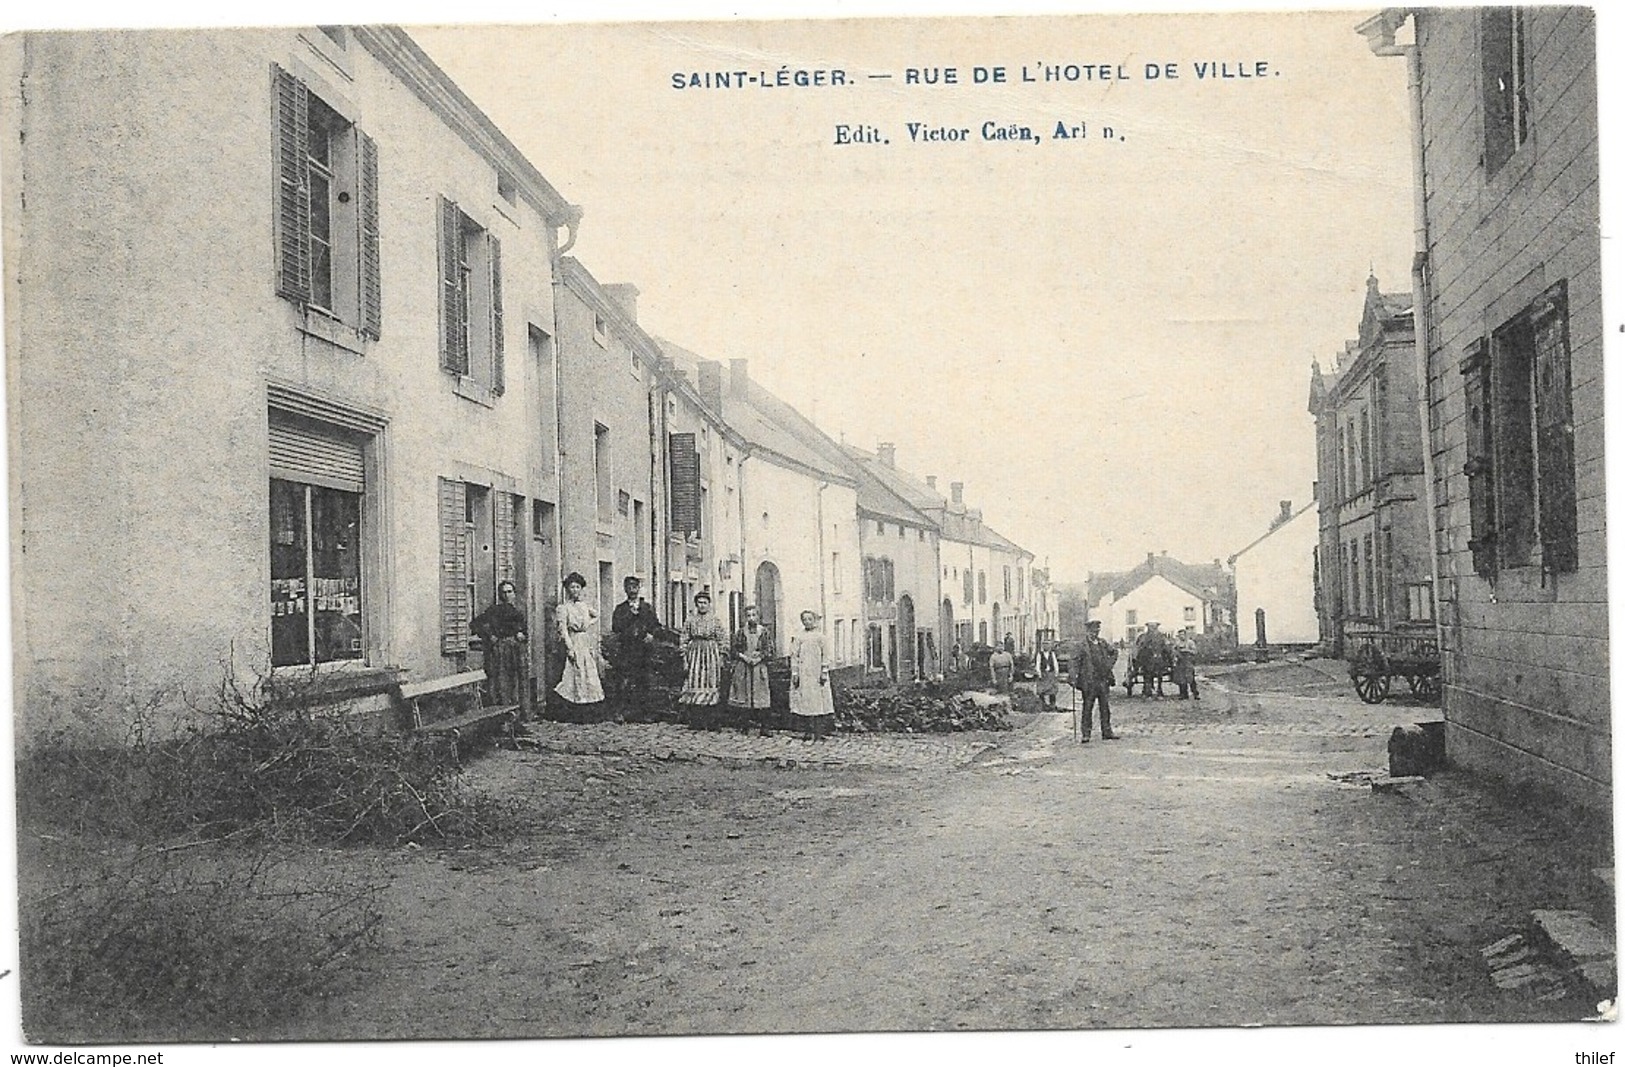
1380, 656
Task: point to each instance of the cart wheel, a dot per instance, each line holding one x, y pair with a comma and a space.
1372, 687
1425, 686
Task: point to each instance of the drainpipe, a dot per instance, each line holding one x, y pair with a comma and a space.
823, 597
1379, 33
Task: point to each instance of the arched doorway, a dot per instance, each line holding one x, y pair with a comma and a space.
767, 600
905, 638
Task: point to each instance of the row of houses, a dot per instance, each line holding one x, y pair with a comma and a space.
302, 370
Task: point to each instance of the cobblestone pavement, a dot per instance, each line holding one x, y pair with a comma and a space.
667, 741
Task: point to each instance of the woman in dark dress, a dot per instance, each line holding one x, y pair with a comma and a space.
503, 631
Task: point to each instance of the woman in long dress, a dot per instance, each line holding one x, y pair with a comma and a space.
810, 695
748, 687
703, 637
503, 630
578, 629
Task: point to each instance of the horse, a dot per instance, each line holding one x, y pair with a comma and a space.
1151, 661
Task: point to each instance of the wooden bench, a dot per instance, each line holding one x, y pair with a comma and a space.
453, 707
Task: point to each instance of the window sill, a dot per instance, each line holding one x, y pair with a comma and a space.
475, 390
324, 327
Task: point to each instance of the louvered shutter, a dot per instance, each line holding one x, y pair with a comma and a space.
1480, 467
504, 540
685, 484
1554, 433
496, 316
292, 102
372, 304
453, 338
455, 613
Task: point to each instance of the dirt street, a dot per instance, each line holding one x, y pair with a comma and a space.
1205, 870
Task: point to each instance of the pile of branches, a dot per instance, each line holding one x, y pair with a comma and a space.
926, 708
253, 766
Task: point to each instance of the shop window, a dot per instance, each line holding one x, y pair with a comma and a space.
315, 574
327, 209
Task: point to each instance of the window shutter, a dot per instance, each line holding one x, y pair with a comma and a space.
293, 190
453, 346
455, 615
497, 368
504, 537
1554, 433
1480, 467
372, 303
685, 484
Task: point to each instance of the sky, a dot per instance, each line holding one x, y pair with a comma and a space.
1108, 342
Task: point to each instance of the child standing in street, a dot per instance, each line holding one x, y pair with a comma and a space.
810, 696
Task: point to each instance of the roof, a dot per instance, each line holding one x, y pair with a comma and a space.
915, 492
1206, 580
1272, 530
876, 497
769, 425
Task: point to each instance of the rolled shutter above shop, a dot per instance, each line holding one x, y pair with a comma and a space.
307, 452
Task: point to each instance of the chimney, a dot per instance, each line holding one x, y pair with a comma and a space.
931, 482
958, 491
711, 384
739, 378
624, 294
888, 454
1151, 558
1286, 510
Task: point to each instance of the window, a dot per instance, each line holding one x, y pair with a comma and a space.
1190, 613
1367, 468
981, 587
326, 218
640, 535
835, 571
1354, 577
315, 574
1419, 602
601, 471
880, 528
1131, 617
471, 334
600, 330
1007, 583
840, 640
970, 591
1520, 442
623, 503
1370, 577
1506, 101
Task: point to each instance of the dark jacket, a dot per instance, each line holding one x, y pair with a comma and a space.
631, 627
1094, 663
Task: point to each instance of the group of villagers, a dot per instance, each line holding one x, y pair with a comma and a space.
707, 649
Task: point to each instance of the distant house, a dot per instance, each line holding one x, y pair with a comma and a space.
1165, 591
1509, 277
1275, 581
901, 554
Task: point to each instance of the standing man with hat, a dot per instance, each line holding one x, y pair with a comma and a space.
1092, 677
634, 625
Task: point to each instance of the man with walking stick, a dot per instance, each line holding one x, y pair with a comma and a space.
1092, 680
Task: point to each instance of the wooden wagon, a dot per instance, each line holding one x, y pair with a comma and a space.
1378, 657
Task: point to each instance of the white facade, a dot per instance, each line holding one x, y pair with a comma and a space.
800, 547
1155, 600
1277, 574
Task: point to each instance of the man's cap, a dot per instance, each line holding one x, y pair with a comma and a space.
631, 579
1093, 624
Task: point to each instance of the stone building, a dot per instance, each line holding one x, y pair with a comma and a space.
1373, 566
280, 318
1509, 288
